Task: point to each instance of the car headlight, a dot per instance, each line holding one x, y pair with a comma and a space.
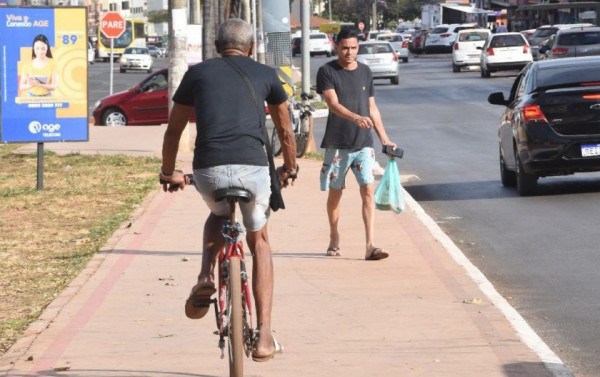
123, 60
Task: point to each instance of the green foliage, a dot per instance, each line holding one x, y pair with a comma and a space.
158, 16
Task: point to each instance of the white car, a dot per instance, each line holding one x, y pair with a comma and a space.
381, 59
442, 37
398, 42
465, 51
91, 54
319, 44
504, 51
136, 58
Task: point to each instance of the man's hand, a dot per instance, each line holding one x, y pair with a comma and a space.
173, 182
285, 175
363, 122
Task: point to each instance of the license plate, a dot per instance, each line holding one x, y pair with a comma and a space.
374, 61
590, 150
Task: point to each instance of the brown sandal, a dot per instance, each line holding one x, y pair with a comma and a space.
198, 303
377, 254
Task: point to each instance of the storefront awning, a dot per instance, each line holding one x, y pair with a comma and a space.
464, 8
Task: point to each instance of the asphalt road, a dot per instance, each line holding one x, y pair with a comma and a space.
540, 252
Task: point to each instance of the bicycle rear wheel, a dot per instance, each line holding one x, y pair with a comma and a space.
306, 125
236, 323
275, 143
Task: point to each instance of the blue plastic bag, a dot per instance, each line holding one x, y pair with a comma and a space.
388, 194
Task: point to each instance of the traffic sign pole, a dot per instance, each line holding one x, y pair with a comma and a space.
112, 25
112, 46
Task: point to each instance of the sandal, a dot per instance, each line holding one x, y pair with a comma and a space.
278, 348
377, 254
333, 252
198, 303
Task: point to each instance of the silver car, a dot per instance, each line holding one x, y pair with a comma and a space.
381, 58
576, 42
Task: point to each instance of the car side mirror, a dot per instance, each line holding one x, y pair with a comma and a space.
497, 98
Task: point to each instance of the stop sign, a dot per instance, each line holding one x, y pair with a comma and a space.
112, 25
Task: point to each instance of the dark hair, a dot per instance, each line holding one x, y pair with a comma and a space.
347, 33
42, 38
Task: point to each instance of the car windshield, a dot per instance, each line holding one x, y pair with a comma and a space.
391, 38
133, 50
439, 30
374, 49
573, 39
564, 76
473, 36
507, 41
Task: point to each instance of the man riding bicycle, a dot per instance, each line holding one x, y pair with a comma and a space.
229, 152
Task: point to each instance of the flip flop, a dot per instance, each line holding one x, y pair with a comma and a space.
262, 358
198, 303
377, 254
333, 252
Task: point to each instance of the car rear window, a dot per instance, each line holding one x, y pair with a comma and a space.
473, 36
507, 41
562, 76
439, 30
546, 32
574, 39
383, 48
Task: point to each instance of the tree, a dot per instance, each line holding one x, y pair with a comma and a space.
158, 16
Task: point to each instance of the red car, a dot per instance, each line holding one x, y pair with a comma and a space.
145, 104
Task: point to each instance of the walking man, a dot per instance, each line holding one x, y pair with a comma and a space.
347, 87
229, 151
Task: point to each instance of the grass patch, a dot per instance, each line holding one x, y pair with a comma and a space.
49, 236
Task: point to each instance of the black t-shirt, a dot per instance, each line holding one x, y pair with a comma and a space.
227, 123
353, 89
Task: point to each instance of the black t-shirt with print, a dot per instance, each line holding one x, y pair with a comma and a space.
353, 89
227, 124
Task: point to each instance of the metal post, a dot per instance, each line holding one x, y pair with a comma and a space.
329, 3
40, 166
177, 57
260, 47
305, 48
112, 46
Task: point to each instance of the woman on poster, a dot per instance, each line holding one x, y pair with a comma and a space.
40, 76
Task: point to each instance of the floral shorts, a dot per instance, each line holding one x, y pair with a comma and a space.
337, 162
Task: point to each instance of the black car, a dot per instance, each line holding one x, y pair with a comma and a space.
551, 125
296, 45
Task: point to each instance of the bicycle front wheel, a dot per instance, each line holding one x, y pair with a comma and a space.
306, 125
275, 143
236, 324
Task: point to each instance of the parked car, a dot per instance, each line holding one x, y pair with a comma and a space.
296, 46
442, 37
319, 44
135, 58
381, 58
91, 54
398, 42
551, 124
576, 42
503, 52
147, 103
154, 51
542, 33
465, 51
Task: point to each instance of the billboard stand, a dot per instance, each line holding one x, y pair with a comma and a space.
40, 166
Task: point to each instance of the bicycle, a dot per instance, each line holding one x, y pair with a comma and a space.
302, 125
233, 305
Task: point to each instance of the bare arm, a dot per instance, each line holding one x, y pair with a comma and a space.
340, 110
281, 118
177, 122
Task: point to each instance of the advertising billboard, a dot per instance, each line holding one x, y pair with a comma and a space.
43, 86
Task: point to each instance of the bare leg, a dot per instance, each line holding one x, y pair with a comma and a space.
262, 285
333, 213
368, 214
213, 243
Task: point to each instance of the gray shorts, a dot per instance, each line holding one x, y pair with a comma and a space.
255, 179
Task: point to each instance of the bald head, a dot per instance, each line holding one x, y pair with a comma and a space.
235, 34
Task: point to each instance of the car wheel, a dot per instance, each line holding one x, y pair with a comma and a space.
455, 68
395, 80
509, 178
122, 70
526, 183
149, 70
405, 60
114, 118
328, 54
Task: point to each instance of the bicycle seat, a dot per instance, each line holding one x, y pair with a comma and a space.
306, 96
232, 192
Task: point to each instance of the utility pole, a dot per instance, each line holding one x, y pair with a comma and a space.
177, 57
374, 14
260, 35
329, 3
